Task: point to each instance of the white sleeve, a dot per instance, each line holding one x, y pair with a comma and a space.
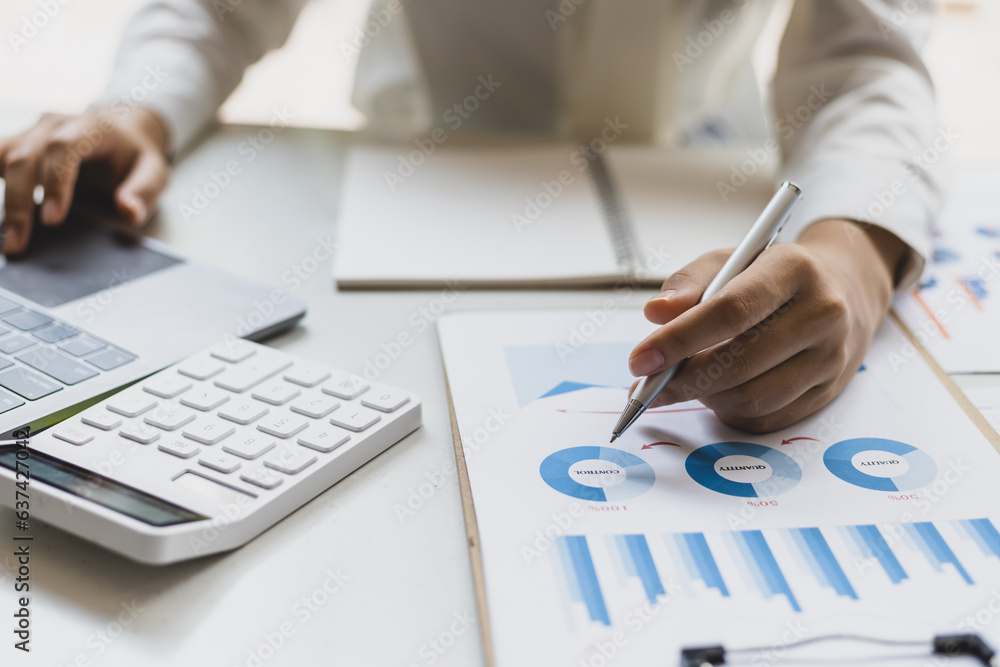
182, 58
856, 118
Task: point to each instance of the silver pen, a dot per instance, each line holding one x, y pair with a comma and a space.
760, 237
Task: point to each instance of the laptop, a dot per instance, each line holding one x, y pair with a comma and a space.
90, 309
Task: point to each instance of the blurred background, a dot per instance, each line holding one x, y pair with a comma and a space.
68, 61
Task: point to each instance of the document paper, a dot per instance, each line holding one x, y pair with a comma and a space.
878, 515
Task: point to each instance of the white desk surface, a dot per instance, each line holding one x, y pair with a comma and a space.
403, 592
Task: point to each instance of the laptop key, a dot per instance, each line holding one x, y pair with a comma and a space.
31, 386
5, 363
26, 320
55, 333
15, 343
110, 359
4, 331
82, 345
9, 402
7, 306
57, 365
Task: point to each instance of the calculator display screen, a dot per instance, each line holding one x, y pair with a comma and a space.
98, 489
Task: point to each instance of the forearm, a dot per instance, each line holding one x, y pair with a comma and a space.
182, 58
857, 120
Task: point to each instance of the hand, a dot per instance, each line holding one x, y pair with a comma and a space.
127, 145
783, 338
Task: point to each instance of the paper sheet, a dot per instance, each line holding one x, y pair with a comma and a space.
954, 310
878, 515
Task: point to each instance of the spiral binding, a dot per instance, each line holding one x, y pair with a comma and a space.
623, 242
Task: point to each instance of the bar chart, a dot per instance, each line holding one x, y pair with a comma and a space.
803, 567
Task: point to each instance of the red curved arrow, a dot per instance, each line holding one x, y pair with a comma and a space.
654, 444
790, 440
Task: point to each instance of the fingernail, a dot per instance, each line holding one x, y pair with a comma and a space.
646, 362
137, 208
50, 212
665, 295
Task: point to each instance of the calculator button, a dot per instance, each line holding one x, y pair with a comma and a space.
132, 405
185, 449
102, 419
31, 386
57, 365
169, 417
220, 461
282, 424
110, 359
73, 436
209, 431
141, 433
167, 385
323, 439
307, 375
290, 460
276, 393
385, 400
200, 369
82, 345
316, 406
244, 411
249, 447
204, 399
233, 351
252, 372
261, 477
354, 418
345, 387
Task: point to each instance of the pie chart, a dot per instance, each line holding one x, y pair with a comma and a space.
743, 469
880, 464
597, 473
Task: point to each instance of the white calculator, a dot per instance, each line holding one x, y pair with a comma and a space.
207, 454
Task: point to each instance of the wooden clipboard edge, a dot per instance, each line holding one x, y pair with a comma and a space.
956, 392
471, 530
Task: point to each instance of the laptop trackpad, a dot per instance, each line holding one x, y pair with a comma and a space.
77, 259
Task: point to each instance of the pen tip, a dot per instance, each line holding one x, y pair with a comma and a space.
614, 436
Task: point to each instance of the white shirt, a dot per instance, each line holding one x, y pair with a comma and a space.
854, 114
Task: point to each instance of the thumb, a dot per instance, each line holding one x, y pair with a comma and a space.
136, 196
682, 290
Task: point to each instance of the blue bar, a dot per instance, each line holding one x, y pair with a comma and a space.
873, 545
938, 549
642, 560
697, 546
988, 532
586, 577
763, 561
827, 563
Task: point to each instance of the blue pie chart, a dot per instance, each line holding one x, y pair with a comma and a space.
773, 472
916, 467
597, 473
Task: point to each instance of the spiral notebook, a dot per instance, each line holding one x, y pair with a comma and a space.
535, 216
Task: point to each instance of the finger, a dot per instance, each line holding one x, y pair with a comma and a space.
683, 289
763, 400
137, 195
744, 302
60, 168
809, 402
21, 175
782, 335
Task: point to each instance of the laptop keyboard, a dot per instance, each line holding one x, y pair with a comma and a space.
40, 355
